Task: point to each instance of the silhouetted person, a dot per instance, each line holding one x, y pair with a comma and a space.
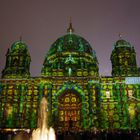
70, 123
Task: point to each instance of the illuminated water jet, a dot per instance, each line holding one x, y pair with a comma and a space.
43, 132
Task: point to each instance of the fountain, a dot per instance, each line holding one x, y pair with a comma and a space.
23, 135
43, 132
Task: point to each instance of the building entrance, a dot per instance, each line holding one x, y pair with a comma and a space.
70, 110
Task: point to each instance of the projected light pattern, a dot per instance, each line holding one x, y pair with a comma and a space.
78, 97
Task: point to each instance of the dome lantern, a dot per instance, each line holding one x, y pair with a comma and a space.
70, 29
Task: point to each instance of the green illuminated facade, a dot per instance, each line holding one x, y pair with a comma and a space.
71, 82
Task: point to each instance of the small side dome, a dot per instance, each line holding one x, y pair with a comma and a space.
123, 59
122, 43
17, 61
18, 45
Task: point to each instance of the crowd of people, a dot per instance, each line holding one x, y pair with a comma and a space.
99, 135
79, 135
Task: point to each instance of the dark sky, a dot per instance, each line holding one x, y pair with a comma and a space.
41, 22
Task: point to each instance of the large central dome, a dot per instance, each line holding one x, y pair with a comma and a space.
70, 43
70, 55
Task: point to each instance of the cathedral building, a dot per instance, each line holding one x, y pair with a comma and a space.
71, 83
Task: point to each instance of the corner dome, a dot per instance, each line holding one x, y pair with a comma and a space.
122, 43
17, 61
19, 46
123, 59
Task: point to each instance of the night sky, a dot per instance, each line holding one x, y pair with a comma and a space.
41, 22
